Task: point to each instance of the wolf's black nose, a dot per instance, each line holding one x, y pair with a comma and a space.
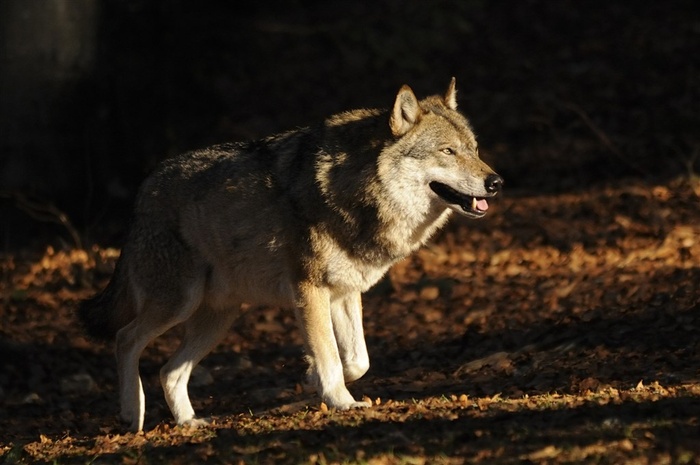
493, 183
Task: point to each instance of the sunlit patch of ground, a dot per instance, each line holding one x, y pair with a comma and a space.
562, 328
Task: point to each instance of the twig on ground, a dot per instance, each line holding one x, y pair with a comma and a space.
46, 212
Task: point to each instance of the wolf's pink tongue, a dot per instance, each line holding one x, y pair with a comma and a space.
482, 205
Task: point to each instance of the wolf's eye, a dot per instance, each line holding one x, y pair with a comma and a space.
448, 151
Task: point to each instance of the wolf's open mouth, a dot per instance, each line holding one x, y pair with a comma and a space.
472, 205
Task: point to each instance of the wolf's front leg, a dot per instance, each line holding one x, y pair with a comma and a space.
346, 314
326, 369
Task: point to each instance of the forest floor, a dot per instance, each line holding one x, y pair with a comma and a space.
561, 328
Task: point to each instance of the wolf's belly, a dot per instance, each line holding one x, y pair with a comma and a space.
255, 285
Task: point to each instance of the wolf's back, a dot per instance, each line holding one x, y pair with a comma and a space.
108, 311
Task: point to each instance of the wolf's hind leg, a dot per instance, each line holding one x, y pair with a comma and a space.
203, 332
346, 315
153, 319
132, 339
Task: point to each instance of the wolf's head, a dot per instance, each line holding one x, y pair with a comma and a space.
438, 150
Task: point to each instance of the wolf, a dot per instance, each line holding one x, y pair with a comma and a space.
307, 219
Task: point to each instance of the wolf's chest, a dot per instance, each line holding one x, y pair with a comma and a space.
346, 273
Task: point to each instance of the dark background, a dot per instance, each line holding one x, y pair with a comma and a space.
564, 95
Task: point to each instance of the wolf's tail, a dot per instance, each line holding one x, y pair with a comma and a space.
108, 311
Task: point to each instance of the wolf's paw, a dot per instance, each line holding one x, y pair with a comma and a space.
360, 404
349, 404
195, 423
135, 423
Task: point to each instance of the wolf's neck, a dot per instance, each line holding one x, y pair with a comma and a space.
406, 232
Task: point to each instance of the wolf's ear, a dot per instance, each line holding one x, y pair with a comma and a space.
451, 95
405, 113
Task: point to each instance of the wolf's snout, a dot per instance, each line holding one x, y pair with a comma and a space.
493, 183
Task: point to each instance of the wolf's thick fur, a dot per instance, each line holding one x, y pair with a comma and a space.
307, 219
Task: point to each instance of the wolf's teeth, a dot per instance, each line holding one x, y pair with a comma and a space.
473, 203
